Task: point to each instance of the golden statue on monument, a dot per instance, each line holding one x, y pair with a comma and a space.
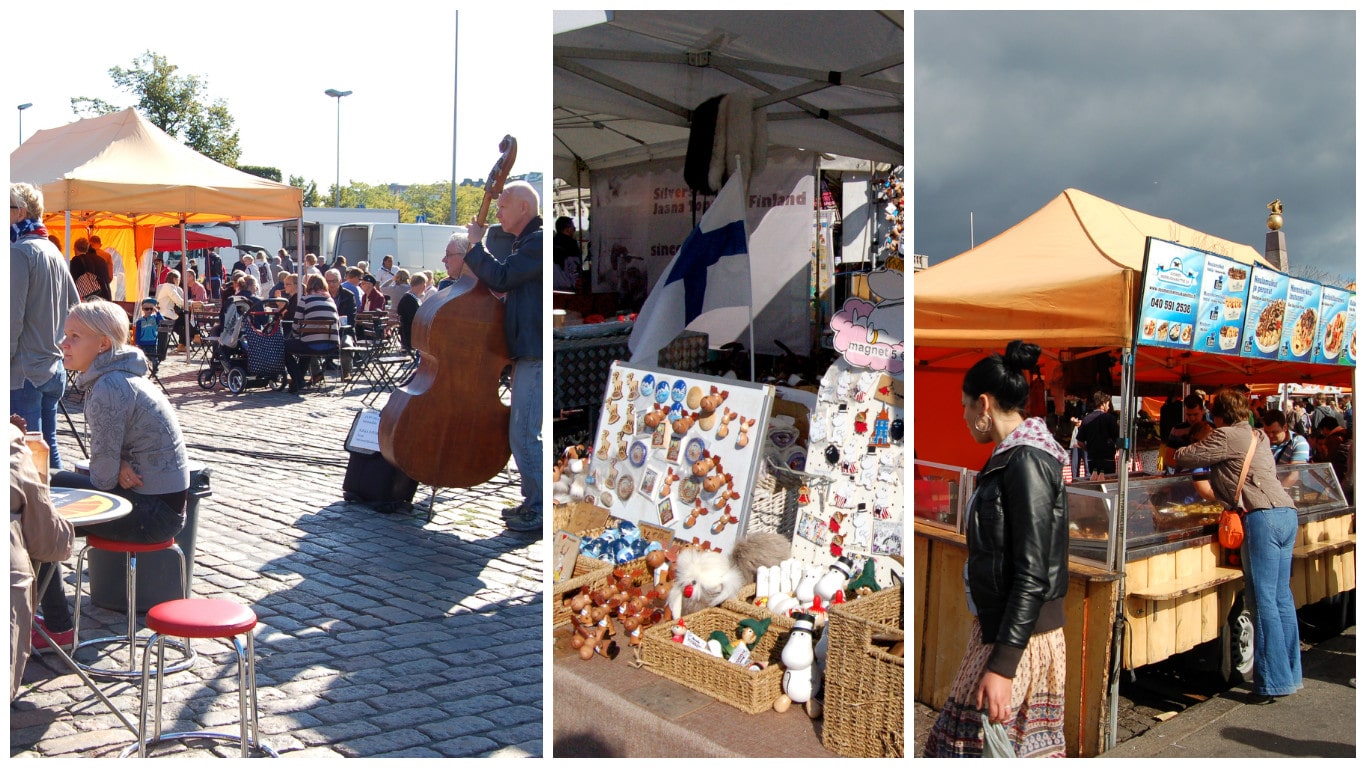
1275, 221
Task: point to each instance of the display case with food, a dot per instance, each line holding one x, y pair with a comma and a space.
1170, 510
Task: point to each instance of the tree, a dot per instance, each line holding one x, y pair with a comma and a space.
310, 189
264, 171
433, 201
177, 104
468, 197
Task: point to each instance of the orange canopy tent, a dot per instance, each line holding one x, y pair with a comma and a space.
1067, 278
119, 176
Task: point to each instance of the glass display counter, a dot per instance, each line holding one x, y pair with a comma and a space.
941, 493
1168, 512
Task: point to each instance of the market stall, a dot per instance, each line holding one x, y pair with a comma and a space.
691, 468
120, 177
1142, 548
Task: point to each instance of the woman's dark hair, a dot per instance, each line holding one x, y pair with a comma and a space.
1003, 376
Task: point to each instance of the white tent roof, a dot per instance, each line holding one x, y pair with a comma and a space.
832, 81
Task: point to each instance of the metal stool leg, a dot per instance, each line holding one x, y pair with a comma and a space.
80, 584
188, 654
249, 727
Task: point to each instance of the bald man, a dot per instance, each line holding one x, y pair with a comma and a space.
519, 276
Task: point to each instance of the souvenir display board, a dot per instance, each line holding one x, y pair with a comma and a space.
857, 447
679, 450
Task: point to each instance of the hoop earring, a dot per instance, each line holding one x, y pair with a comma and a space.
985, 429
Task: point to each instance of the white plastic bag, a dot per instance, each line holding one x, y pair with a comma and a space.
995, 742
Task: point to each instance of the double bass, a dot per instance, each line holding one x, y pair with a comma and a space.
447, 427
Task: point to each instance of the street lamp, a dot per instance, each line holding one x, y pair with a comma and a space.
22, 107
336, 94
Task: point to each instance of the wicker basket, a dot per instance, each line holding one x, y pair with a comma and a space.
747, 691
601, 571
772, 505
744, 603
865, 696
589, 574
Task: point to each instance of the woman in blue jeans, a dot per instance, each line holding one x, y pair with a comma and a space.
136, 447
1270, 528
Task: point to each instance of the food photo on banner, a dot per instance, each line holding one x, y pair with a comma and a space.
1174, 311
729, 430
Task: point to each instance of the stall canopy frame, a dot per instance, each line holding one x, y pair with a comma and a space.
625, 88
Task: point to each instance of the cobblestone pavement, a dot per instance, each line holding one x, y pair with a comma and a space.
379, 635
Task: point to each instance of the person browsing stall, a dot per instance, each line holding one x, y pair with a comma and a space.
1099, 435
136, 447
41, 293
519, 276
1271, 528
1015, 664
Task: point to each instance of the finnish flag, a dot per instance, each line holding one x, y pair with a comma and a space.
710, 271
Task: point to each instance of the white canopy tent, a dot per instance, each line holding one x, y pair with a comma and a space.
831, 81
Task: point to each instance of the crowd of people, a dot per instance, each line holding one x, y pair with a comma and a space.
63, 319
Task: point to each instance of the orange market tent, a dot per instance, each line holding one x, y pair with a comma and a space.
1067, 278
119, 176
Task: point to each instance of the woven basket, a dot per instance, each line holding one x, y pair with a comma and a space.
865, 696
772, 505
589, 574
749, 692
636, 570
744, 603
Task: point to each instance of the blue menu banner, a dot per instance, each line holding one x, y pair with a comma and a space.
1223, 297
1203, 302
1301, 321
1265, 318
1350, 345
1172, 277
1330, 344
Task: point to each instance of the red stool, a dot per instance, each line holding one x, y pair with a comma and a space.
130, 551
202, 619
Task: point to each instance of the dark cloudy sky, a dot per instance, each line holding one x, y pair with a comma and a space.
1199, 117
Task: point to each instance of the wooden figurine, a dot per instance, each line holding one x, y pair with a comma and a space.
727, 416
743, 439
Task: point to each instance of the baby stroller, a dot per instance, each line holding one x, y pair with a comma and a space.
243, 356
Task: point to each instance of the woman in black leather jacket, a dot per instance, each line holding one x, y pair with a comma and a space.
1016, 574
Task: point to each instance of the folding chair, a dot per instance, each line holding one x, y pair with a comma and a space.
303, 328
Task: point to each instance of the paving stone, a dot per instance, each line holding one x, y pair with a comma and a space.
387, 741
374, 630
466, 746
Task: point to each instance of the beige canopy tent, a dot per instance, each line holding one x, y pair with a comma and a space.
119, 176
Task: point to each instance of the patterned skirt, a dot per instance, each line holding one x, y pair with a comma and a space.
1036, 698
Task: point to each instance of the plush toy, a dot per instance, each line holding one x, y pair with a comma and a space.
703, 579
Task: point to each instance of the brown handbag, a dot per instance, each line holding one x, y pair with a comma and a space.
1231, 519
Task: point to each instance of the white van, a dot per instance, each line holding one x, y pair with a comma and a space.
415, 247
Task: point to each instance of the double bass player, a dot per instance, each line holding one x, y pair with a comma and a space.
519, 277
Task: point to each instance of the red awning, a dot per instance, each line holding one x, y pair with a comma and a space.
168, 239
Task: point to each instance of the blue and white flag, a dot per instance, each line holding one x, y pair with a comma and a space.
709, 272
